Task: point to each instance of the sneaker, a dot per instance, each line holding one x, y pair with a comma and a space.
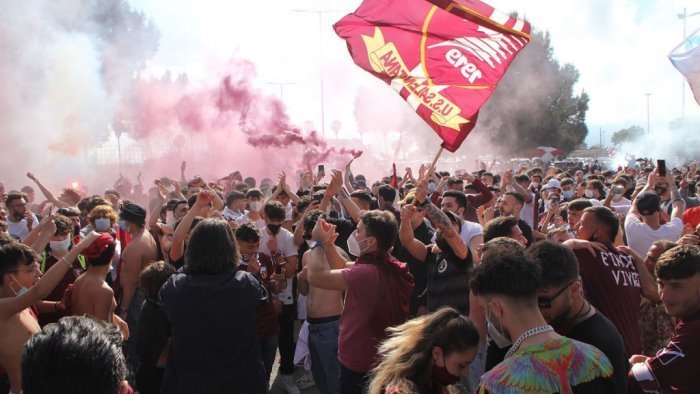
305, 381
289, 384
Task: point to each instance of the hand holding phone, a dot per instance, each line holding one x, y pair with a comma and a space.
661, 165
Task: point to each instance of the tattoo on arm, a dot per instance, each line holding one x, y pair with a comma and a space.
443, 223
344, 193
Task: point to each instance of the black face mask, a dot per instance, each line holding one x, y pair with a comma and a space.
274, 228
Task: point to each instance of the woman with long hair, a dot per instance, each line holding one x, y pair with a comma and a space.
426, 355
212, 308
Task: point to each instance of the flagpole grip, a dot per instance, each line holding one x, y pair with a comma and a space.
432, 168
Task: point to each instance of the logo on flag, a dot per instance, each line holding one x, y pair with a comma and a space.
443, 57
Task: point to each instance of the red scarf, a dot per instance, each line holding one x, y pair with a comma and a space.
397, 284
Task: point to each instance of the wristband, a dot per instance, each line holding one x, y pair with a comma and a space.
318, 244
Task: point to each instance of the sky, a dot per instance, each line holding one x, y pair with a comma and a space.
619, 46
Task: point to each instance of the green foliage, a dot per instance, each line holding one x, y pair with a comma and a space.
629, 134
534, 104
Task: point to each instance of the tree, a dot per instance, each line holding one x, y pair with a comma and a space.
534, 104
629, 134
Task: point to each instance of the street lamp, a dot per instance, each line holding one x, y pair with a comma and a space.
320, 52
648, 94
685, 17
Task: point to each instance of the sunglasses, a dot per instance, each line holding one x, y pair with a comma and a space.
546, 303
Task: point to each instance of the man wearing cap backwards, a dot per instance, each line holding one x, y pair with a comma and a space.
642, 224
141, 251
90, 294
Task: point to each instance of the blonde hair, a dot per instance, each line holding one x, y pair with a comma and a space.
407, 361
102, 211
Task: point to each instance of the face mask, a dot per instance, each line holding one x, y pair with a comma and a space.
431, 186
122, 225
21, 290
60, 246
442, 376
495, 334
354, 245
255, 206
274, 228
568, 194
589, 193
169, 218
103, 224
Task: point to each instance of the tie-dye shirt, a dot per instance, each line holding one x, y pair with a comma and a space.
554, 366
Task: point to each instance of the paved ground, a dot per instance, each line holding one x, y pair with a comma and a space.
276, 385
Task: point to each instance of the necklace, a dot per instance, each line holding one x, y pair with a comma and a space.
527, 334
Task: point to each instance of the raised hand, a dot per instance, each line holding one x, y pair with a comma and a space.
336, 182
324, 232
204, 198
407, 212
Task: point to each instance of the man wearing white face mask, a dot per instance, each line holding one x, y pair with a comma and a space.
254, 198
59, 246
377, 290
539, 360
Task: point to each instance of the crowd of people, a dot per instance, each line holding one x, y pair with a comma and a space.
529, 279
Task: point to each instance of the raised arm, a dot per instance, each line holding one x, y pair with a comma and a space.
648, 284
676, 200
336, 188
177, 248
48, 281
325, 233
348, 177
155, 212
441, 221
46, 192
415, 247
45, 230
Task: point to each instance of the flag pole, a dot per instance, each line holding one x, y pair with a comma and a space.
437, 156
431, 169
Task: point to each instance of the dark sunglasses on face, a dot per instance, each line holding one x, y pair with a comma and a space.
546, 302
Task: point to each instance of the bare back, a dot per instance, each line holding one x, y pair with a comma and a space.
92, 296
15, 331
142, 249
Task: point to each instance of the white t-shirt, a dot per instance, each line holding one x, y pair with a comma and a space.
285, 244
19, 229
622, 206
640, 236
231, 214
469, 231
528, 212
244, 218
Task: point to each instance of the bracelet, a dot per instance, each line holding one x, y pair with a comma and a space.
318, 244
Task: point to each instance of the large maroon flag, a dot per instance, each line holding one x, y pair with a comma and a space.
443, 57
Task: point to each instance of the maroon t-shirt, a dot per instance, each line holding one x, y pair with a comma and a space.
611, 283
677, 366
267, 321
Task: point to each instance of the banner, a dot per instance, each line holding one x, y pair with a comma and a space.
686, 58
444, 58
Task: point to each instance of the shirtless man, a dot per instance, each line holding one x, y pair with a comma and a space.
323, 309
90, 294
141, 251
21, 287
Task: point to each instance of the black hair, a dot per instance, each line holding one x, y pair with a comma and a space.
607, 218
598, 185
274, 210
152, 278
681, 262
248, 232
303, 204
506, 271
13, 195
363, 196
253, 193
310, 220
557, 262
517, 197
250, 181
387, 192
459, 197
233, 196
12, 255
76, 355
499, 227
579, 204
212, 248
381, 225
